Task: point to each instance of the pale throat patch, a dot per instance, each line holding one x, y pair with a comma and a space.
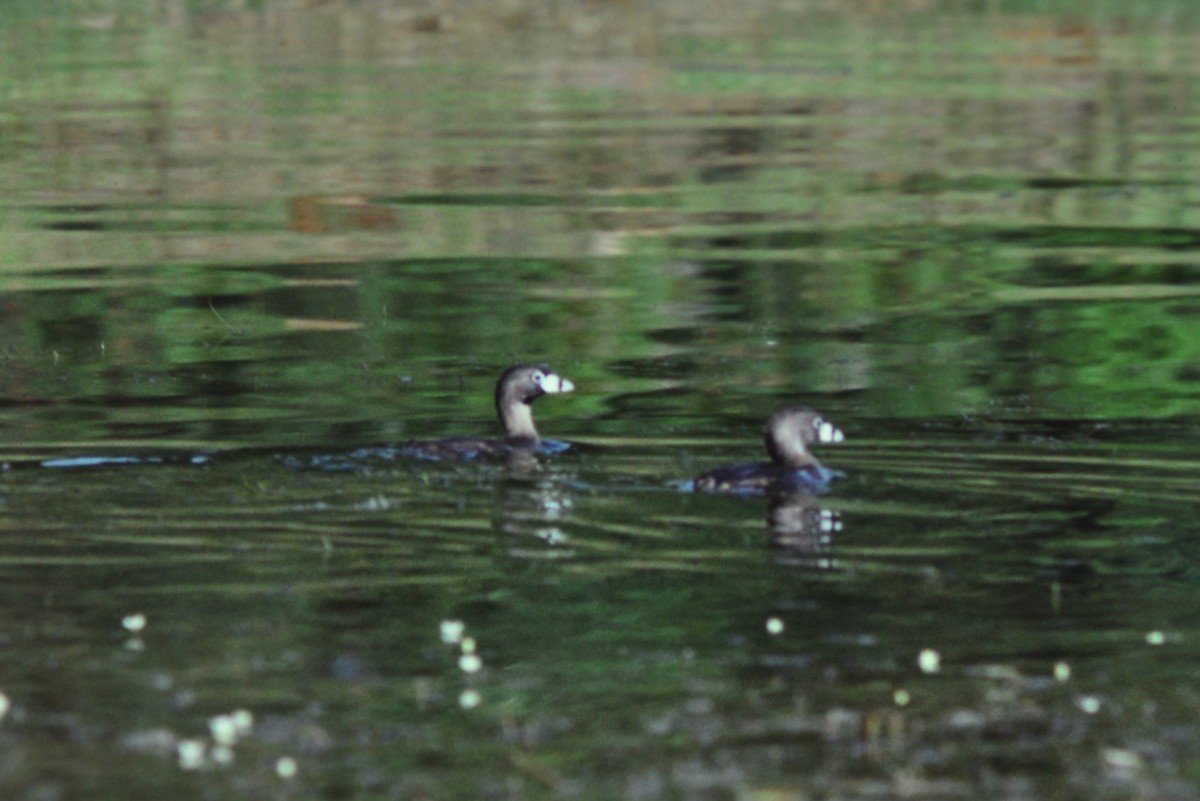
518, 418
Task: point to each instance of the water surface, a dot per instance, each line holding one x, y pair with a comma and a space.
239, 244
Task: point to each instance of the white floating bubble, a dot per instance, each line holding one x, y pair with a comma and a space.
1122, 760
191, 754
775, 625
1089, 703
929, 660
134, 623
452, 630
223, 730
1156, 638
470, 698
470, 663
1062, 671
5, 705
468, 645
222, 754
243, 721
286, 767
901, 697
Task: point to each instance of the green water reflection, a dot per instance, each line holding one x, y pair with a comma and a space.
237, 238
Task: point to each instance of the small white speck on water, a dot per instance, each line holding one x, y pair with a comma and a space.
286, 767
222, 730
243, 721
191, 754
452, 631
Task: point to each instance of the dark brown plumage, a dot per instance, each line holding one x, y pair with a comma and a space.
792, 468
516, 390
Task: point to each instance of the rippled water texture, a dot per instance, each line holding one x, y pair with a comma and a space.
247, 248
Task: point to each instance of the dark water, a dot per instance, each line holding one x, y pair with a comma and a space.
239, 244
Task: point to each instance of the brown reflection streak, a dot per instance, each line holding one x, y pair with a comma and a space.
1046, 41
292, 324
316, 215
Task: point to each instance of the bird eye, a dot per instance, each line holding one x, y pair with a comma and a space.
537, 377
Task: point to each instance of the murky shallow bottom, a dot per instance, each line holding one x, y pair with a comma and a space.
1023, 625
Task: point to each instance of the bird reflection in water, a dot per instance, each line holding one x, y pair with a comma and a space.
802, 530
